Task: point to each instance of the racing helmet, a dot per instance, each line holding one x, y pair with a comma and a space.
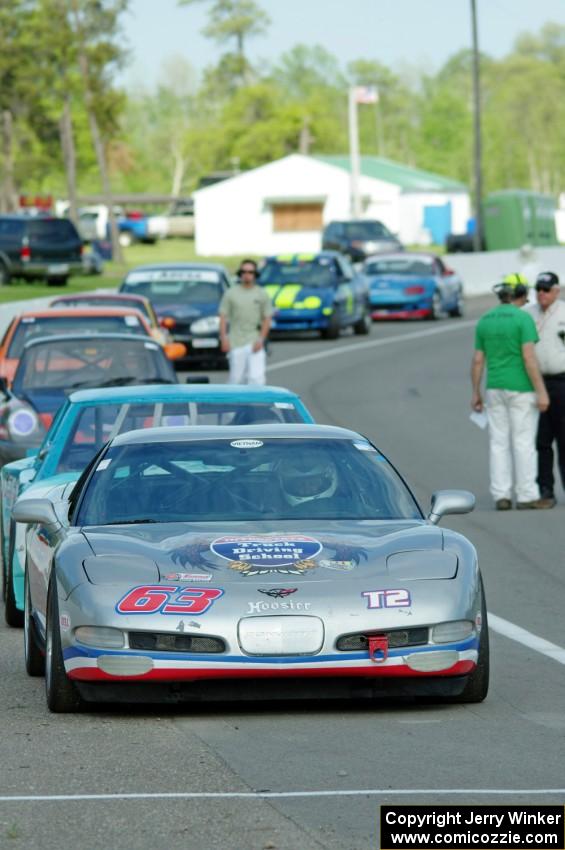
511, 286
305, 478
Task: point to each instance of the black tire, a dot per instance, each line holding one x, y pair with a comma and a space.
12, 614
436, 311
476, 688
62, 696
459, 311
333, 329
57, 281
34, 657
363, 326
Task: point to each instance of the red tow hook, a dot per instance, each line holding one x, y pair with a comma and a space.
378, 648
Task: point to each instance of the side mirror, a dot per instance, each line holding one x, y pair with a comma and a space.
450, 502
35, 510
174, 350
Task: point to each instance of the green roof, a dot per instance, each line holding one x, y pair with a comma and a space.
409, 179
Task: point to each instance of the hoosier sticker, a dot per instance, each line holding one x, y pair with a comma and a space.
269, 553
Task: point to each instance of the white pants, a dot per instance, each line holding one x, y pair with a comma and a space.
512, 422
247, 366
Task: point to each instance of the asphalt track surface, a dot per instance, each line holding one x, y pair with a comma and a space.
307, 776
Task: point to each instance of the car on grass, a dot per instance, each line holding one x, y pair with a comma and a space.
52, 367
316, 292
413, 286
186, 298
248, 562
39, 248
89, 418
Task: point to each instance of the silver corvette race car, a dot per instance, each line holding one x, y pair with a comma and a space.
192, 563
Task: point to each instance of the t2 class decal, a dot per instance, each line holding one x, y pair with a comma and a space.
387, 598
254, 555
168, 599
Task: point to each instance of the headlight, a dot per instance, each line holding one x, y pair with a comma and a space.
448, 632
209, 325
22, 422
100, 636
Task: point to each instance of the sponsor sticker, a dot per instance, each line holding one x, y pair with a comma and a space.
104, 464
290, 605
187, 576
64, 622
338, 566
270, 553
284, 405
246, 444
131, 321
397, 598
152, 346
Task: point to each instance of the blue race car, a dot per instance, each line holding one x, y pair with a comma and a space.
90, 418
319, 292
412, 286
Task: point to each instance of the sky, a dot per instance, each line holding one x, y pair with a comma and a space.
398, 33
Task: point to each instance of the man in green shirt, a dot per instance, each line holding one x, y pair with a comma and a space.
245, 321
515, 393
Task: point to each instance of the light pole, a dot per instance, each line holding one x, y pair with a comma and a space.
478, 234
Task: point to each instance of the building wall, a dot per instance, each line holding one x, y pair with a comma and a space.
411, 213
236, 217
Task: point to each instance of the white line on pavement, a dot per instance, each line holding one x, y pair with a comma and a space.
520, 635
374, 343
213, 795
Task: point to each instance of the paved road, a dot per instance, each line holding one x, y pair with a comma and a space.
407, 388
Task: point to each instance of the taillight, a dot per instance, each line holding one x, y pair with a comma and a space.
414, 290
25, 253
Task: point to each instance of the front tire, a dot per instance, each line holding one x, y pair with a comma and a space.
58, 281
34, 658
476, 688
362, 326
333, 329
459, 310
12, 614
62, 696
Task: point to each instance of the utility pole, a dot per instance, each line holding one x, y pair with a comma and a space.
354, 154
478, 234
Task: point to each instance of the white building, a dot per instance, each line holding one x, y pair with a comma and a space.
283, 206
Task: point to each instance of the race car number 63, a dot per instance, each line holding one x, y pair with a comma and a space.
168, 599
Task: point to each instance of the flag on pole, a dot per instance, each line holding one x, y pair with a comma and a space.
365, 94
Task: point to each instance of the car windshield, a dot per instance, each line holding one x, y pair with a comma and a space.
319, 272
400, 265
223, 480
32, 328
73, 364
364, 231
104, 301
97, 424
51, 230
187, 286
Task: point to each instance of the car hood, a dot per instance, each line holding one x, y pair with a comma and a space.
186, 311
337, 550
294, 296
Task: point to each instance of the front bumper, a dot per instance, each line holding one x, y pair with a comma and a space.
400, 308
299, 320
200, 348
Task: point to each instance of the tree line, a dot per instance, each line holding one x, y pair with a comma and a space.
64, 123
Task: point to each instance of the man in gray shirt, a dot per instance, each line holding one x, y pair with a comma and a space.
245, 321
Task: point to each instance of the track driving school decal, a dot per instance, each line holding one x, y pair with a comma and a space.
168, 599
268, 553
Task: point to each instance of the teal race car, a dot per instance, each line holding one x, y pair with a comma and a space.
316, 292
89, 418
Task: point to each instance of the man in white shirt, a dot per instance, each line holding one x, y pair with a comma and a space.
549, 316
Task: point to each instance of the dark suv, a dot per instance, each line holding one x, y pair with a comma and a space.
45, 248
359, 239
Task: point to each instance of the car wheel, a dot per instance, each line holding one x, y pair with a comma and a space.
476, 688
459, 309
62, 696
436, 307
333, 329
34, 658
362, 326
12, 614
57, 281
